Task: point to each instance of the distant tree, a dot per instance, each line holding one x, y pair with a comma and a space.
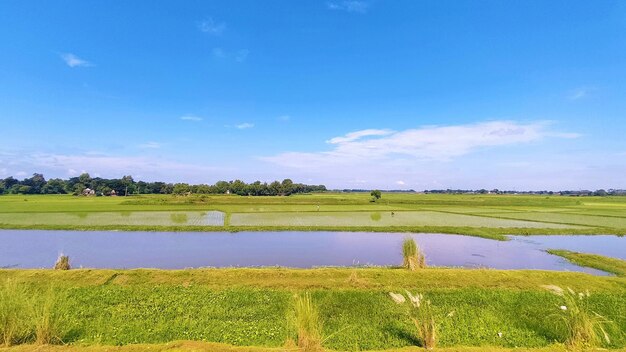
274, 188
238, 187
221, 187
78, 189
84, 178
286, 187
128, 183
376, 194
181, 188
54, 186
35, 183
600, 193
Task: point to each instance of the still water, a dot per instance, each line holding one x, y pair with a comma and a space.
175, 250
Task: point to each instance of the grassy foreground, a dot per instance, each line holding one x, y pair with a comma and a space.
217, 347
487, 309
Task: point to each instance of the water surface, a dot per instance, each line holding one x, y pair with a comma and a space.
175, 250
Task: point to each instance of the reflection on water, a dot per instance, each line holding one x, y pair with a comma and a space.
168, 250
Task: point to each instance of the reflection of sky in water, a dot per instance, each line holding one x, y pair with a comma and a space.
33, 248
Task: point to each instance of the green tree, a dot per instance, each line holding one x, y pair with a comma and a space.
286, 187
181, 188
376, 194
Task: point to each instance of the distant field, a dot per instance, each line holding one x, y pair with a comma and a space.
483, 215
165, 218
400, 218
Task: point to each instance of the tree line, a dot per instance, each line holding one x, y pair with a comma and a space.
87, 185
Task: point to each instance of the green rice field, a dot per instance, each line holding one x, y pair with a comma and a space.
399, 218
490, 216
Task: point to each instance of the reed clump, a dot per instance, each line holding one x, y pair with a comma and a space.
62, 263
50, 324
413, 256
13, 321
308, 324
584, 328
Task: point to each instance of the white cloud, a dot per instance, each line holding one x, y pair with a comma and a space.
400, 183
440, 143
211, 27
21, 173
581, 93
74, 61
191, 118
115, 166
352, 136
244, 125
348, 6
150, 145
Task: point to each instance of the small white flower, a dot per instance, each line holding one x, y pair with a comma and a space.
499, 334
563, 307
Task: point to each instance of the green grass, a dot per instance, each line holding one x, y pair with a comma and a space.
490, 216
250, 307
608, 264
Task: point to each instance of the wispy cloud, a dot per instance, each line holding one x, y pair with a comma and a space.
244, 125
53, 164
352, 136
284, 118
191, 118
348, 6
580, 93
150, 145
72, 60
212, 27
426, 143
239, 55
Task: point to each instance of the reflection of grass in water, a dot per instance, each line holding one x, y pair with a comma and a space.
126, 213
81, 215
376, 216
179, 218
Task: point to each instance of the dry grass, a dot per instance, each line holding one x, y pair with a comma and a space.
63, 263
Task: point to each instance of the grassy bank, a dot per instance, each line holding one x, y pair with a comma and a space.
610, 265
254, 307
218, 347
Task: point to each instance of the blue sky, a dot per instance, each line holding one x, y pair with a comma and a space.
351, 94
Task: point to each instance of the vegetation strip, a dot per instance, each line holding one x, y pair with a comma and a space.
608, 264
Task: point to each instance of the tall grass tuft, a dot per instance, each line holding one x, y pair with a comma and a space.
308, 324
63, 263
584, 328
413, 256
13, 321
49, 322
421, 313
